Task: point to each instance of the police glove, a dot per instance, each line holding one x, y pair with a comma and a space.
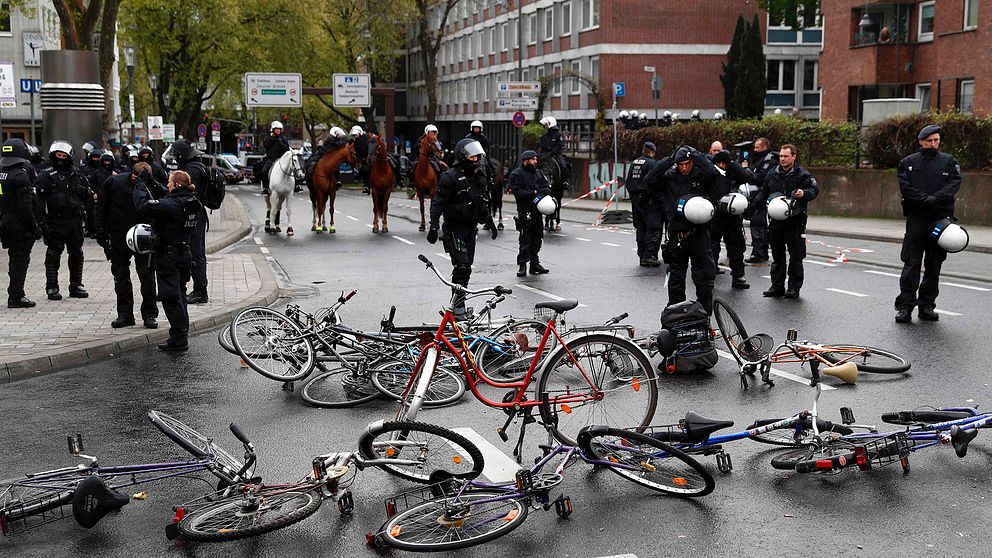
432, 236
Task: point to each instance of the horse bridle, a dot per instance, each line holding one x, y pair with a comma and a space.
293, 167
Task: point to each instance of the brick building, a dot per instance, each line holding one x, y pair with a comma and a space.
938, 52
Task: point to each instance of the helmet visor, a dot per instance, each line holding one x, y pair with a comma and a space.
474, 149
63, 146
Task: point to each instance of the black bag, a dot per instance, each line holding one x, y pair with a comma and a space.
695, 350
213, 194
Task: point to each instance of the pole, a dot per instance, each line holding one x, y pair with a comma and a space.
130, 86
520, 67
655, 94
32, 117
616, 159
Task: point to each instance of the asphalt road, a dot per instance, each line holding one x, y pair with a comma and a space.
938, 509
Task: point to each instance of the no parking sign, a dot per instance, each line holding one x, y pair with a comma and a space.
519, 119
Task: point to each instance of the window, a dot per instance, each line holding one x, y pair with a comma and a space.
487, 40
590, 14
970, 14
532, 27
925, 30
923, 94
810, 69
506, 36
549, 23
5, 19
966, 96
556, 71
525, 74
594, 68
566, 19
574, 83
781, 75
540, 72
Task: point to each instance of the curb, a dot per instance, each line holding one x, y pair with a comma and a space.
898, 266
890, 239
234, 235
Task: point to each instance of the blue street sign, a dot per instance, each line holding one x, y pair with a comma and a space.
30, 85
619, 89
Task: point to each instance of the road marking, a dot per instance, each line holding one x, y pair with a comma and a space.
498, 467
369, 225
825, 264
885, 273
403, 240
544, 293
350, 217
258, 241
766, 276
264, 250
779, 373
960, 286
582, 239
558, 234
443, 255
946, 312
723, 267
610, 244
337, 211
852, 293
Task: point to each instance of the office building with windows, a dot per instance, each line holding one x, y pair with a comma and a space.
24, 33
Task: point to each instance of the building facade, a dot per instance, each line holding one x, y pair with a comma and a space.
23, 35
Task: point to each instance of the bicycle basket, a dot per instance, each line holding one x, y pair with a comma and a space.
756, 348
543, 314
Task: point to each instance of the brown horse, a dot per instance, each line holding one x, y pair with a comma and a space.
424, 177
381, 183
323, 184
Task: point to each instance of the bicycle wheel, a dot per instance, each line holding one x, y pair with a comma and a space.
197, 444
224, 339
787, 459
338, 388
505, 355
596, 379
446, 386
249, 514
429, 447
731, 328
648, 462
798, 435
868, 359
440, 524
272, 344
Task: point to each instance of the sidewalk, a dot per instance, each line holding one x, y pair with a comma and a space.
60, 334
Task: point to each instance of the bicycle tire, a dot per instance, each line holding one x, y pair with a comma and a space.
501, 516
380, 442
272, 344
924, 416
628, 371
197, 445
224, 339
661, 473
732, 330
788, 436
339, 388
228, 520
883, 362
446, 387
506, 354
786, 460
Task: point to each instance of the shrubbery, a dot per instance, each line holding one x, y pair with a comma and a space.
966, 137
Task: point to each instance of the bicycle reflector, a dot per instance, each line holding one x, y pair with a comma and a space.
861, 458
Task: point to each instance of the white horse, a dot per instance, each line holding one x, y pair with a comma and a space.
282, 181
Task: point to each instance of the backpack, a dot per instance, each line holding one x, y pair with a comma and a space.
213, 194
695, 350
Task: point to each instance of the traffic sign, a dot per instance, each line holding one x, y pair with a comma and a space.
215, 135
519, 119
201, 145
523, 87
352, 90
619, 89
154, 127
519, 103
30, 86
215, 125
273, 90
169, 132
201, 131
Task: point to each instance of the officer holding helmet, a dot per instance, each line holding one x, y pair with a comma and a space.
788, 189
18, 226
726, 225
646, 200
529, 187
928, 181
462, 198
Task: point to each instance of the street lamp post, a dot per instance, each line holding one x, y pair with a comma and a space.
153, 84
129, 64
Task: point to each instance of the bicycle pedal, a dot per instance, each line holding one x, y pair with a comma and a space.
724, 463
346, 502
502, 435
563, 506
846, 415
171, 531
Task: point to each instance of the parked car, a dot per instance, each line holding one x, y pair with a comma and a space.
233, 159
250, 162
231, 174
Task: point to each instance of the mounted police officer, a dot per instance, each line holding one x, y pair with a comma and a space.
174, 218
462, 198
551, 146
361, 137
363, 147
147, 155
187, 157
647, 200
62, 195
275, 145
798, 187
727, 226
928, 182
18, 226
761, 161
529, 185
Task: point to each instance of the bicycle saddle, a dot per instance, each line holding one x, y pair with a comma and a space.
93, 499
558, 305
698, 428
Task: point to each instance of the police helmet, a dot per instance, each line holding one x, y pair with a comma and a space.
718, 116
107, 156
547, 205
148, 150
734, 203
749, 191
623, 114
468, 148
475, 124
430, 128
87, 147
644, 116
549, 122
357, 131
133, 154
697, 210
14, 152
950, 236
141, 239
183, 150
275, 125
34, 151
633, 113
780, 207
338, 132
60, 145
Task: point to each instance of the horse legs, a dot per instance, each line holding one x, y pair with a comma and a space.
268, 212
289, 214
423, 223
375, 211
384, 208
499, 224
278, 211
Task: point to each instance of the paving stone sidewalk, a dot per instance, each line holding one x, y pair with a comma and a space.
60, 334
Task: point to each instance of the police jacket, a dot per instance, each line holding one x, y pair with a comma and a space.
362, 146
87, 166
637, 175
61, 194
462, 199
99, 178
482, 139
158, 171
275, 146
699, 182
761, 163
921, 176
730, 178
199, 175
17, 216
526, 183
551, 143
780, 181
115, 211
173, 216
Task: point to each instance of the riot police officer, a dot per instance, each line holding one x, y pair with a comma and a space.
275, 145
928, 181
551, 146
18, 227
62, 197
761, 161
799, 188
475, 133
147, 155
115, 215
102, 174
173, 217
646, 200
528, 185
187, 157
725, 226
38, 163
462, 198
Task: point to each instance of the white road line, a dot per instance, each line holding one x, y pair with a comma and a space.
777, 372
558, 234
264, 250
725, 268
350, 217
885, 273
403, 240
766, 276
825, 264
582, 239
443, 255
258, 241
610, 244
544, 293
498, 467
946, 312
337, 211
369, 225
852, 293
960, 286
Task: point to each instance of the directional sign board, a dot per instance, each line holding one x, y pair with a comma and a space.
523, 87
518, 119
273, 90
169, 132
516, 104
619, 89
352, 90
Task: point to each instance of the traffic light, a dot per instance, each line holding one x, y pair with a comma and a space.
206, 116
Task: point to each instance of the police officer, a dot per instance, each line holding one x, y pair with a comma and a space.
62, 196
187, 158
89, 162
115, 215
363, 148
147, 155
18, 226
799, 187
928, 181
647, 202
173, 217
39, 164
551, 146
761, 161
275, 145
528, 185
129, 157
102, 174
725, 226
693, 176
475, 133
462, 198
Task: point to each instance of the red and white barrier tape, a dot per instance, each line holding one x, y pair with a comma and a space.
840, 250
599, 219
593, 191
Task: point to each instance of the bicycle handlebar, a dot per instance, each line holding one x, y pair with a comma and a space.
240, 435
617, 319
342, 299
498, 290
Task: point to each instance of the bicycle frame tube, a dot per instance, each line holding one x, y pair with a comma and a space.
173, 469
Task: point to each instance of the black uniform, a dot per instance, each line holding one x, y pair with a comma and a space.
687, 241
528, 185
87, 168
63, 194
490, 162
363, 148
18, 226
199, 175
115, 215
146, 155
791, 233
174, 218
100, 176
275, 146
647, 199
928, 181
760, 163
730, 227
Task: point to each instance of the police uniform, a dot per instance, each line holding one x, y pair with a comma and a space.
729, 227
199, 175
761, 163
100, 176
174, 218
789, 234
87, 168
484, 142
146, 155
18, 227
362, 149
528, 185
646, 201
275, 146
62, 197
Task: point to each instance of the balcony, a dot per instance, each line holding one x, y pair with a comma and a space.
880, 24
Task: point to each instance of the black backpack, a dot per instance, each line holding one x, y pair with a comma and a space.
695, 350
213, 194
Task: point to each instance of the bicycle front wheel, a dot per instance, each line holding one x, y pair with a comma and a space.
596, 379
797, 435
446, 386
224, 339
249, 514
867, 359
197, 445
417, 450
440, 524
731, 328
339, 388
506, 354
272, 344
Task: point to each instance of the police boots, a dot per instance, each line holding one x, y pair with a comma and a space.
52, 278
76, 289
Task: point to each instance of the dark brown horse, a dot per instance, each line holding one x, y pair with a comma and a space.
424, 177
381, 183
496, 190
323, 184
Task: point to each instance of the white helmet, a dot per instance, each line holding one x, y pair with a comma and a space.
780, 207
475, 124
950, 236
633, 113
547, 205
357, 130
337, 132
697, 210
643, 116
549, 121
778, 112
695, 112
623, 114
141, 239
275, 124
718, 116
668, 113
749, 191
430, 128
733, 204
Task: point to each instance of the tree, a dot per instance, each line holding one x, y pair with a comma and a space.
789, 10
749, 92
432, 17
732, 67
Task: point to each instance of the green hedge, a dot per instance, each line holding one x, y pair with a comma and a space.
966, 137
532, 135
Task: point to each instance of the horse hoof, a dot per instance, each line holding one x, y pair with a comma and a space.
500, 226
319, 230
375, 230
289, 231
331, 229
313, 228
385, 230
557, 227
422, 228
277, 229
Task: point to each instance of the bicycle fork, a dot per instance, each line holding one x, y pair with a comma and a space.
419, 384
